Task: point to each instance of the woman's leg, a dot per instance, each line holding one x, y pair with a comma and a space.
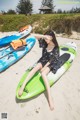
30, 75
47, 64
44, 76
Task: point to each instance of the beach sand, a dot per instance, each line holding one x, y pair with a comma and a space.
65, 93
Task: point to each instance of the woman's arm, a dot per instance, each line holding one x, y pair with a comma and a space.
38, 36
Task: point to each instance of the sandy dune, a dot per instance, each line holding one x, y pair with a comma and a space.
65, 93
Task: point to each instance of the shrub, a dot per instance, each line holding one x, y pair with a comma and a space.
76, 24
60, 23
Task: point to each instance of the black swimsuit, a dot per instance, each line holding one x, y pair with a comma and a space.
51, 57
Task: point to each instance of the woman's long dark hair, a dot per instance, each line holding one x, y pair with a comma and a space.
42, 42
51, 33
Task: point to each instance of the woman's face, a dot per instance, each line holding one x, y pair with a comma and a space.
48, 39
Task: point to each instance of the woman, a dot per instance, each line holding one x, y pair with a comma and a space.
47, 63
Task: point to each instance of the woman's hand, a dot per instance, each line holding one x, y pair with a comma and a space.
47, 37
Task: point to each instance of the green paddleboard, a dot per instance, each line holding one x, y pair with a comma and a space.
36, 85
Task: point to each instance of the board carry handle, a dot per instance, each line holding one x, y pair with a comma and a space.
24, 28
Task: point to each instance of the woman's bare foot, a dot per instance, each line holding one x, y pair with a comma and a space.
51, 104
20, 91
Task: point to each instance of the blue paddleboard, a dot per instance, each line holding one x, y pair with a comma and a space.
14, 56
6, 40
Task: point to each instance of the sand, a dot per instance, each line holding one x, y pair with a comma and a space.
65, 93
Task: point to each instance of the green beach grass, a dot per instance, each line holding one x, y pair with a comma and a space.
60, 23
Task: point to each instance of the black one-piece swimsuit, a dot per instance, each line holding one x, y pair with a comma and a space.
51, 57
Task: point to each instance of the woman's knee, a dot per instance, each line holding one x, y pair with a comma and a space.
39, 66
36, 68
45, 71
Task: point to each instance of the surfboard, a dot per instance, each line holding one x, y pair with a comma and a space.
36, 85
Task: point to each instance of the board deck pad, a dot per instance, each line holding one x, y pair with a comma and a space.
62, 59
